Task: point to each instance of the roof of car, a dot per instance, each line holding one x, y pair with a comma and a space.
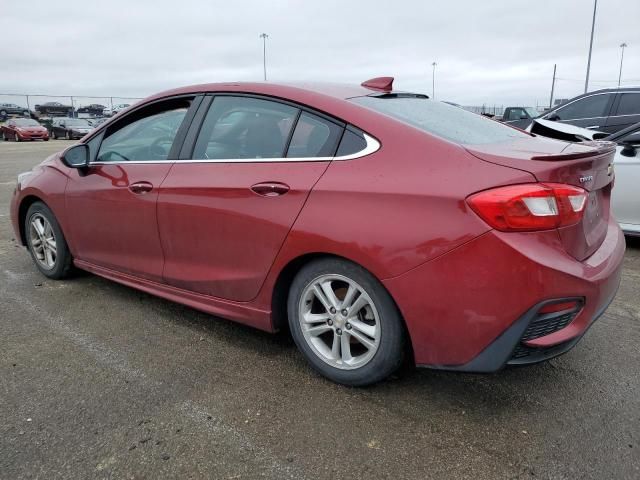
285, 90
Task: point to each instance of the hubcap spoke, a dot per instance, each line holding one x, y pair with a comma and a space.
322, 297
316, 317
318, 330
349, 296
362, 339
345, 349
335, 347
368, 330
330, 294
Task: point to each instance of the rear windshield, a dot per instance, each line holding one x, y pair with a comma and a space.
438, 118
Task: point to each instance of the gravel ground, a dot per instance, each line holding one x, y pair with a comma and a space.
98, 380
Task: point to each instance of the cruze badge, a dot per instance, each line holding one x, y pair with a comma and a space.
585, 179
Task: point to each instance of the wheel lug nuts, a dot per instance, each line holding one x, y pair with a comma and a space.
344, 312
339, 332
332, 310
329, 322
348, 325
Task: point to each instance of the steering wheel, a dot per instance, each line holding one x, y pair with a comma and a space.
157, 151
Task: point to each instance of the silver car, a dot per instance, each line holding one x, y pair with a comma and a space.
626, 192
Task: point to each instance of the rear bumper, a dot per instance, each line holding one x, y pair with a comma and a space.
468, 309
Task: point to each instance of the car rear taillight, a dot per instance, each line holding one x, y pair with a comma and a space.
530, 207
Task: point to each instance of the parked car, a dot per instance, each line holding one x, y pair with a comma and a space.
608, 110
109, 112
625, 199
7, 109
20, 129
69, 128
54, 109
94, 109
516, 116
329, 209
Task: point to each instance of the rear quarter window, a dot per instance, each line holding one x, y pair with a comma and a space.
442, 120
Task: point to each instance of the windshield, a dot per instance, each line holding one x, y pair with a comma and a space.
437, 118
533, 113
77, 122
25, 122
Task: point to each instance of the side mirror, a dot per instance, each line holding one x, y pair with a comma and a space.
629, 149
77, 156
524, 117
553, 117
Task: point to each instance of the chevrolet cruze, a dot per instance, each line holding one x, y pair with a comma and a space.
373, 224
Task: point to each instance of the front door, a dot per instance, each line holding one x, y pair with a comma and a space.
114, 202
224, 214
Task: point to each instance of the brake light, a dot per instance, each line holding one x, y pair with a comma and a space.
530, 207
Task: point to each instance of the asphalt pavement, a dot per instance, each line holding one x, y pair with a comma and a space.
98, 380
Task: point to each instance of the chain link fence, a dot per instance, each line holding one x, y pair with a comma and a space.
45, 106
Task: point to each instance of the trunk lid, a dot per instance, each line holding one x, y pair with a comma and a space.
588, 165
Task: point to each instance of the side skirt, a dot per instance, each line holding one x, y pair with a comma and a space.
240, 312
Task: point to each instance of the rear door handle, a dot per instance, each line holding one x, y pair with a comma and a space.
593, 126
270, 189
141, 188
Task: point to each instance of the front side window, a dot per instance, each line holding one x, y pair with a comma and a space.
245, 128
26, 122
588, 107
148, 135
629, 104
313, 137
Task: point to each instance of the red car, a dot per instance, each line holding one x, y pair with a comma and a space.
374, 224
21, 129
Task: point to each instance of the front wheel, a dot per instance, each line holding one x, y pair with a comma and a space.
345, 323
46, 242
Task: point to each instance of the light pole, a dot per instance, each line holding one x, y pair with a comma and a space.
433, 81
593, 24
264, 37
622, 46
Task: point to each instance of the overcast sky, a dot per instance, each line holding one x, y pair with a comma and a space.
491, 51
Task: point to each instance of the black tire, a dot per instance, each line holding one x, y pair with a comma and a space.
3, 113
389, 355
63, 263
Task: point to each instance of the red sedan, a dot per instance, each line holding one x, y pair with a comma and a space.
373, 224
21, 129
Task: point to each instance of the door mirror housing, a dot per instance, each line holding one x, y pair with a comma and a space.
629, 149
554, 117
77, 156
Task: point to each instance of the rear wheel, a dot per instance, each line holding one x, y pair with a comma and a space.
46, 242
345, 323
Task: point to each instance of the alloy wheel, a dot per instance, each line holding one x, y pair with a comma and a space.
339, 321
43, 241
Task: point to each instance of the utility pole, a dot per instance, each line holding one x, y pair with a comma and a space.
593, 25
553, 84
622, 46
433, 81
264, 37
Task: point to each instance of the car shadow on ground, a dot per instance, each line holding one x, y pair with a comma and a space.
501, 391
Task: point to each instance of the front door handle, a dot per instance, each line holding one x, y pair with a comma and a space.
592, 127
141, 188
270, 189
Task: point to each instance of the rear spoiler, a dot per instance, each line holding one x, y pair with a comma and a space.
596, 148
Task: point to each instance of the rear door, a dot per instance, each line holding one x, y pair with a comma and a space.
625, 197
625, 113
226, 208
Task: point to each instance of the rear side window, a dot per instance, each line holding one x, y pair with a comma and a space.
313, 137
440, 119
629, 104
588, 107
353, 141
245, 127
